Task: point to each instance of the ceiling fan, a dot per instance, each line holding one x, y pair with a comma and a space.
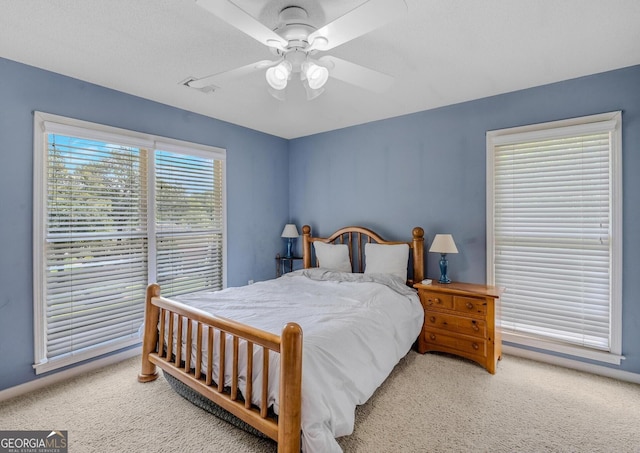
296, 42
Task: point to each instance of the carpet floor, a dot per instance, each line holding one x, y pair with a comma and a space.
430, 403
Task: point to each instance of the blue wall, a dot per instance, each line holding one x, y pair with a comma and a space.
428, 169
257, 187
425, 169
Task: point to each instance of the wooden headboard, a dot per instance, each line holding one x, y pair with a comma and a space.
355, 237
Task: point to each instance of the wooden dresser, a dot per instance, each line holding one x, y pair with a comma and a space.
460, 319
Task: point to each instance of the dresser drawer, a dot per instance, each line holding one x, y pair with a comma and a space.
470, 305
466, 326
435, 299
475, 346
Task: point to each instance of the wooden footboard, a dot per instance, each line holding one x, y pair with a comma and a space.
165, 318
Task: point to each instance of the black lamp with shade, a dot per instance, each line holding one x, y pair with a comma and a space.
290, 232
443, 244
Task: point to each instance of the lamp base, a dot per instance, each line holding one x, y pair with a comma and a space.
289, 248
443, 269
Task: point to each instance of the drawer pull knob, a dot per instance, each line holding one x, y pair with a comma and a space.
437, 300
475, 346
469, 305
432, 319
432, 336
474, 326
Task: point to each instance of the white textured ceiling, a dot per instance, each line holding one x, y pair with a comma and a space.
441, 52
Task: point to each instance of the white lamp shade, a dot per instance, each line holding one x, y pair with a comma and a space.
290, 231
443, 243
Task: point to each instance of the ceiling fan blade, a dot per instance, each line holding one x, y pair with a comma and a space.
222, 77
356, 75
244, 22
357, 22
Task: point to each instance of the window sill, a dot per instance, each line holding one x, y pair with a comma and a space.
574, 351
73, 358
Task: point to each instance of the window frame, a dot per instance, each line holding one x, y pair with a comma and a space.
542, 131
100, 132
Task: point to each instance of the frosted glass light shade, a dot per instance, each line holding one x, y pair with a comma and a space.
316, 75
311, 93
278, 75
290, 231
443, 243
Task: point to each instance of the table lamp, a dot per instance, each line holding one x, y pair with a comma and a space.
290, 232
443, 244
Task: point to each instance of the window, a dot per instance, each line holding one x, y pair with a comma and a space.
113, 211
554, 237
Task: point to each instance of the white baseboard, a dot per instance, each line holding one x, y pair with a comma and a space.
45, 381
573, 364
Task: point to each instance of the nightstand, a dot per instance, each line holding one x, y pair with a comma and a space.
283, 263
461, 319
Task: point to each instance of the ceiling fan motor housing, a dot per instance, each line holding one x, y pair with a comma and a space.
294, 26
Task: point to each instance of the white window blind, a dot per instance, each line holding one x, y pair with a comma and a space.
95, 246
554, 240
111, 214
189, 222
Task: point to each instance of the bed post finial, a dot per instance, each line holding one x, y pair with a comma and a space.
148, 371
306, 247
418, 254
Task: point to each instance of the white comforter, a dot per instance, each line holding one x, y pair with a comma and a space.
356, 327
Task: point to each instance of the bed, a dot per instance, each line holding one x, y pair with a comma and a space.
359, 320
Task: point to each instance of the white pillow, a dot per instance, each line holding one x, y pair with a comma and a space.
386, 259
333, 256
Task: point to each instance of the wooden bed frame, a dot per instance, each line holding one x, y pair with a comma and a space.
160, 313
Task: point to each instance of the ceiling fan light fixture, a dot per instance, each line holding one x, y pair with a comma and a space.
278, 75
316, 75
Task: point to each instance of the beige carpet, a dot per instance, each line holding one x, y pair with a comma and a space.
430, 403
